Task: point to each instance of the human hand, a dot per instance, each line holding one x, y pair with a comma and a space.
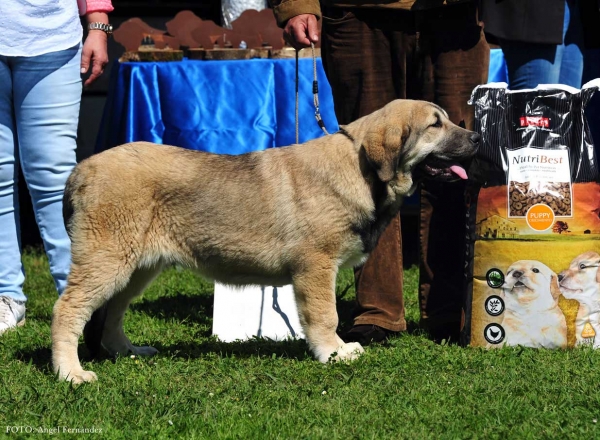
301, 30
95, 52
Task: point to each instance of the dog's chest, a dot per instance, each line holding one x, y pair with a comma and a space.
353, 254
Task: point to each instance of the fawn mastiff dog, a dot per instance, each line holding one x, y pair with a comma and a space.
285, 215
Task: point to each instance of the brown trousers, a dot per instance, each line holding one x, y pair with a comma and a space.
371, 57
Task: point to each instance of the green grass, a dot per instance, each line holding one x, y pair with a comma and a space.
200, 388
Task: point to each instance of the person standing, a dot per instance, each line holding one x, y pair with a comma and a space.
590, 14
542, 40
432, 50
41, 62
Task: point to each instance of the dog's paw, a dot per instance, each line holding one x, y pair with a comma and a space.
347, 352
126, 348
81, 377
143, 351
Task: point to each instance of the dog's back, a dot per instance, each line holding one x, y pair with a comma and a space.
174, 202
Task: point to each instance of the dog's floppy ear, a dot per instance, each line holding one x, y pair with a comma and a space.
383, 148
554, 289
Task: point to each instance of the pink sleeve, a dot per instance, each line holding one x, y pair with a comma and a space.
98, 6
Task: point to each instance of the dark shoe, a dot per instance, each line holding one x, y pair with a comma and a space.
448, 333
367, 334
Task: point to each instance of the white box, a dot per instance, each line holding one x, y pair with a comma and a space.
241, 313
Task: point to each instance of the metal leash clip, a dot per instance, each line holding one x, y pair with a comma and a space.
315, 91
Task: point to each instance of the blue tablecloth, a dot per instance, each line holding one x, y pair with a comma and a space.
229, 107
497, 70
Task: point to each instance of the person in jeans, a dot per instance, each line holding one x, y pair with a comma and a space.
422, 49
41, 62
590, 13
542, 40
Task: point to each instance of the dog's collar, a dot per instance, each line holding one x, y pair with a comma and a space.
345, 133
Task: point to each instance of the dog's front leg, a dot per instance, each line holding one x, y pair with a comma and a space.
314, 290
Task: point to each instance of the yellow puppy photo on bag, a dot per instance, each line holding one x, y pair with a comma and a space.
581, 282
532, 317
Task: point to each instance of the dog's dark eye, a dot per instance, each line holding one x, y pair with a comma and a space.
438, 123
582, 266
534, 270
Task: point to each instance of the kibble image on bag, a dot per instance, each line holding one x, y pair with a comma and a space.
533, 224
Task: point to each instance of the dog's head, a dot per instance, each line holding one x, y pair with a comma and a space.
582, 278
407, 140
530, 283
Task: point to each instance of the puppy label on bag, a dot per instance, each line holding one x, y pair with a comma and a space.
539, 177
526, 164
533, 251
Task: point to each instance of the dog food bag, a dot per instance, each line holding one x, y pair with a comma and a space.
533, 222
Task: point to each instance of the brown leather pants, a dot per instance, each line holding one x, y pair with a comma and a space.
373, 56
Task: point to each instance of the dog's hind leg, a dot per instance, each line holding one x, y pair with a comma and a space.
314, 290
87, 290
114, 339
92, 332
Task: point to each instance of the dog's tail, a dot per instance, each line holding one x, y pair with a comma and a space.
68, 204
75, 188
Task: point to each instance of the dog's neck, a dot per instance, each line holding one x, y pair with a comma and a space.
343, 131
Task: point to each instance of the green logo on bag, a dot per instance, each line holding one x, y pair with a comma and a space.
494, 278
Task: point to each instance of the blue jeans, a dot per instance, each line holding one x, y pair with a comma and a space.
530, 64
39, 111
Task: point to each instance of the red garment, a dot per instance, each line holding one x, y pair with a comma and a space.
88, 6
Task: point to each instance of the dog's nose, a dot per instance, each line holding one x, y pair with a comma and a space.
475, 138
517, 274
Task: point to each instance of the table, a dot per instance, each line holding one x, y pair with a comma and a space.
497, 71
227, 107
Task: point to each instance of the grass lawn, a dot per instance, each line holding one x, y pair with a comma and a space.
198, 387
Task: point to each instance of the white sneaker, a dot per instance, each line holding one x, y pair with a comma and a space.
12, 313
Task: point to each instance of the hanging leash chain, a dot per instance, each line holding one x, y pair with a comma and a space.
315, 90
297, 81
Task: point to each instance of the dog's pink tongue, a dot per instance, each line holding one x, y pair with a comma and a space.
459, 171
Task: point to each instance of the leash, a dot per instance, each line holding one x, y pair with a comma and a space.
315, 90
